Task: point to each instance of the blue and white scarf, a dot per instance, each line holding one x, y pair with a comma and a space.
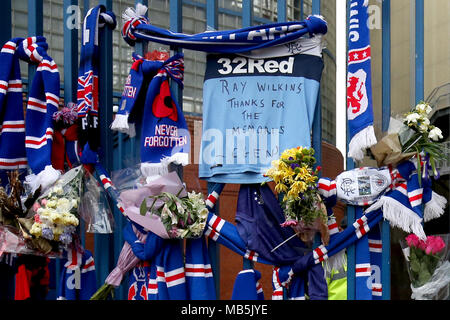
12, 121
136, 27
28, 141
359, 82
88, 72
247, 286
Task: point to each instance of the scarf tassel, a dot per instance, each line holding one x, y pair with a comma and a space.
154, 170
120, 124
435, 207
399, 216
362, 140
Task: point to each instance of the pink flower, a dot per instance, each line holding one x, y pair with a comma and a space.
412, 240
289, 223
434, 245
422, 245
44, 202
36, 206
37, 218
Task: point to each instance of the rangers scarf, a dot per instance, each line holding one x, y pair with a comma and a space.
12, 121
164, 136
402, 205
28, 142
198, 270
247, 286
78, 279
43, 102
136, 27
87, 94
359, 83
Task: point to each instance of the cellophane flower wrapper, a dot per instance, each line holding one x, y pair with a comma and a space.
94, 207
429, 273
12, 241
132, 200
126, 261
55, 213
128, 178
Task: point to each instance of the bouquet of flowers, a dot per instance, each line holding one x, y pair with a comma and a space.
424, 139
14, 226
296, 179
183, 217
428, 265
414, 136
55, 214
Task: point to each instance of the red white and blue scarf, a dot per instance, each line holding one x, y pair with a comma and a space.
28, 141
12, 121
359, 82
88, 72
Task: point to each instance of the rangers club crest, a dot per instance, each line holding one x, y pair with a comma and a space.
357, 101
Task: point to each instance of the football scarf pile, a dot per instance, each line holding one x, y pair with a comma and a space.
408, 204
28, 141
87, 94
162, 274
359, 83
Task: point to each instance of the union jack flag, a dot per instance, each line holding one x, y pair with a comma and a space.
87, 94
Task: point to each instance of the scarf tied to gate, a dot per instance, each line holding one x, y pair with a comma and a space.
396, 191
136, 27
165, 136
88, 72
29, 140
359, 82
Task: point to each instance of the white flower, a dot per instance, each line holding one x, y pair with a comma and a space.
435, 134
36, 229
58, 190
63, 204
424, 124
51, 204
424, 108
165, 213
412, 117
180, 208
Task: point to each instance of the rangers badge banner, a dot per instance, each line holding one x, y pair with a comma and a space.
359, 83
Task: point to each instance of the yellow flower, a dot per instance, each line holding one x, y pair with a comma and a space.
281, 188
36, 229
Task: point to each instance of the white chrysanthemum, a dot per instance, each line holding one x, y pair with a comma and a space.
63, 204
51, 204
58, 190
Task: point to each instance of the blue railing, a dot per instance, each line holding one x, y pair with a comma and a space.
107, 247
